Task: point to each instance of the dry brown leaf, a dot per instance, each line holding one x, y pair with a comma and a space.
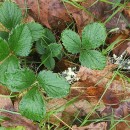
126, 12
37, 9
95, 76
6, 103
53, 104
121, 46
122, 125
51, 13
111, 99
80, 108
117, 89
67, 115
121, 112
55, 13
4, 90
128, 49
92, 126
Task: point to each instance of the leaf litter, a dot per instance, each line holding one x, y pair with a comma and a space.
93, 83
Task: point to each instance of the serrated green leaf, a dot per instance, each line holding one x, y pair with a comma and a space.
32, 105
92, 59
47, 38
19, 80
10, 14
4, 35
54, 85
36, 30
51, 51
11, 64
20, 40
4, 49
71, 41
40, 47
54, 49
48, 61
93, 35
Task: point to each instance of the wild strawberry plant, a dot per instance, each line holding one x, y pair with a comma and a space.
15, 43
48, 48
93, 36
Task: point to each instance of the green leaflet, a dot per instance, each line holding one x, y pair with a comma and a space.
32, 105
92, 59
4, 49
20, 40
4, 35
48, 61
52, 50
71, 41
47, 38
57, 87
19, 80
10, 65
10, 14
93, 35
47, 47
36, 30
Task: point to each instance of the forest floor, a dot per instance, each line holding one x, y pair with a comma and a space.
99, 97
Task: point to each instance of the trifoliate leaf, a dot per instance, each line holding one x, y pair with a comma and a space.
20, 80
32, 105
54, 49
10, 65
4, 49
20, 40
92, 59
54, 85
93, 35
48, 61
47, 38
36, 30
10, 14
71, 41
